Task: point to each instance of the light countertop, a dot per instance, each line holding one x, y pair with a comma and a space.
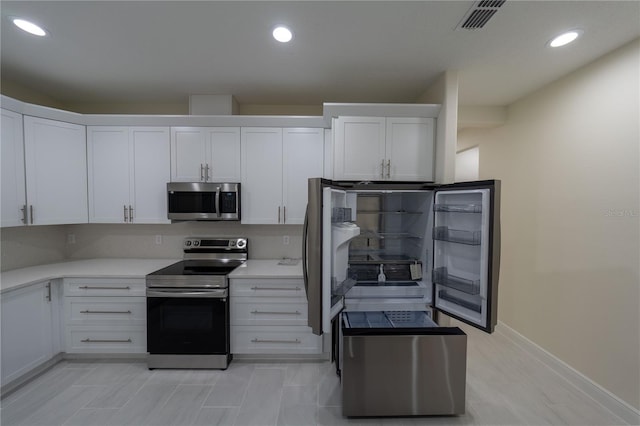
89, 268
259, 268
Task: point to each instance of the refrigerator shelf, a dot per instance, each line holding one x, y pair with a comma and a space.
385, 235
458, 208
380, 212
388, 319
443, 233
368, 272
441, 276
445, 295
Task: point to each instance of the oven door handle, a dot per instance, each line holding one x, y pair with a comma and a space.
218, 294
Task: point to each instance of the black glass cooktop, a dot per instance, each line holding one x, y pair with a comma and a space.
198, 267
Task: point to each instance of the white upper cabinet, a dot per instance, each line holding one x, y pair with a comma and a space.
261, 189
205, 154
303, 152
276, 164
56, 171
129, 169
13, 185
379, 148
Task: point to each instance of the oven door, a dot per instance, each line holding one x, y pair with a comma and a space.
187, 321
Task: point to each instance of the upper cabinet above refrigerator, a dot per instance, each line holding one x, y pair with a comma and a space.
466, 245
383, 148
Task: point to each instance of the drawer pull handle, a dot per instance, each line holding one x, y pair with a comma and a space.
275, 341
105, 341
105, 312
275, 313
276, 288
86, 287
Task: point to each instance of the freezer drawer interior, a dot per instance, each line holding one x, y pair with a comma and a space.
401, 364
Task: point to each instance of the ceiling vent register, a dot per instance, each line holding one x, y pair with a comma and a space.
479, 14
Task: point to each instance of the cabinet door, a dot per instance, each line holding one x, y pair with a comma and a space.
110, 170
261, 175
303, 152
359, 149
409, 149
27, 330
223, 157
56, 171
152, 165
188, 154
12, 156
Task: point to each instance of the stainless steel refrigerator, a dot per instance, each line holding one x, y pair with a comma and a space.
380, 261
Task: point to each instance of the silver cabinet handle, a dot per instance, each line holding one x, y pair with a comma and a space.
31, 209
130, 214
89, 340
388, 169
125, 212
278, 214
25, 218
275, 313
382, 169
276, 288
297, 341
105, 312
48, 297
86, 287
201, 172
206, 173
284, 214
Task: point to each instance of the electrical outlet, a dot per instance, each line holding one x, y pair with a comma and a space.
71, 238
158, 239
285, 240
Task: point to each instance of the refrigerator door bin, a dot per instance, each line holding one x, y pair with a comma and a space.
458, 208
441, 276
393, 366
443, 233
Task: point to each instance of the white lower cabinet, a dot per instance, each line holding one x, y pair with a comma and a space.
104, 315
269, 316
30, 328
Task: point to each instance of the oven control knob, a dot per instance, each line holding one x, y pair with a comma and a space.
187, 243
196, 243
241, 243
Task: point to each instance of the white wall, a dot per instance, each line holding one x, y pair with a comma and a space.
468, 165
568, 157
31, 245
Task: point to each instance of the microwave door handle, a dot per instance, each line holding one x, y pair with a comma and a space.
217, 201
305, 272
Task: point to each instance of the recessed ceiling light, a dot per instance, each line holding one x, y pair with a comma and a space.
282, 34
565, 38
29, 27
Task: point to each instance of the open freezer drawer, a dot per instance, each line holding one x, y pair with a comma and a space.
401, 364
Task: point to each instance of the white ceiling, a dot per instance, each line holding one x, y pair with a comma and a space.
343, 51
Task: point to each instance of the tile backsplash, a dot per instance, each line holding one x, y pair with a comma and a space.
27, 246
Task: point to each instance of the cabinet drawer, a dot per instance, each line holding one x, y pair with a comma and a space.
105, 310
268, 311
275, 288
274, 340
104, 287
106, 339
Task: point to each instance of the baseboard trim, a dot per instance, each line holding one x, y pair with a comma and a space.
608, 400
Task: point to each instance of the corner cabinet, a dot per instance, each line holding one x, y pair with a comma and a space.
30, 328
56, 172
383, 148
276, 164
13, 182
205, 154
128, 173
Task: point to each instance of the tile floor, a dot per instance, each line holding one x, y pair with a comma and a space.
505, 386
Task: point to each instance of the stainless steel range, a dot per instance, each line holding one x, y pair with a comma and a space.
188, 305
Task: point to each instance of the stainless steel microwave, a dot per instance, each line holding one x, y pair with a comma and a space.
203, 201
